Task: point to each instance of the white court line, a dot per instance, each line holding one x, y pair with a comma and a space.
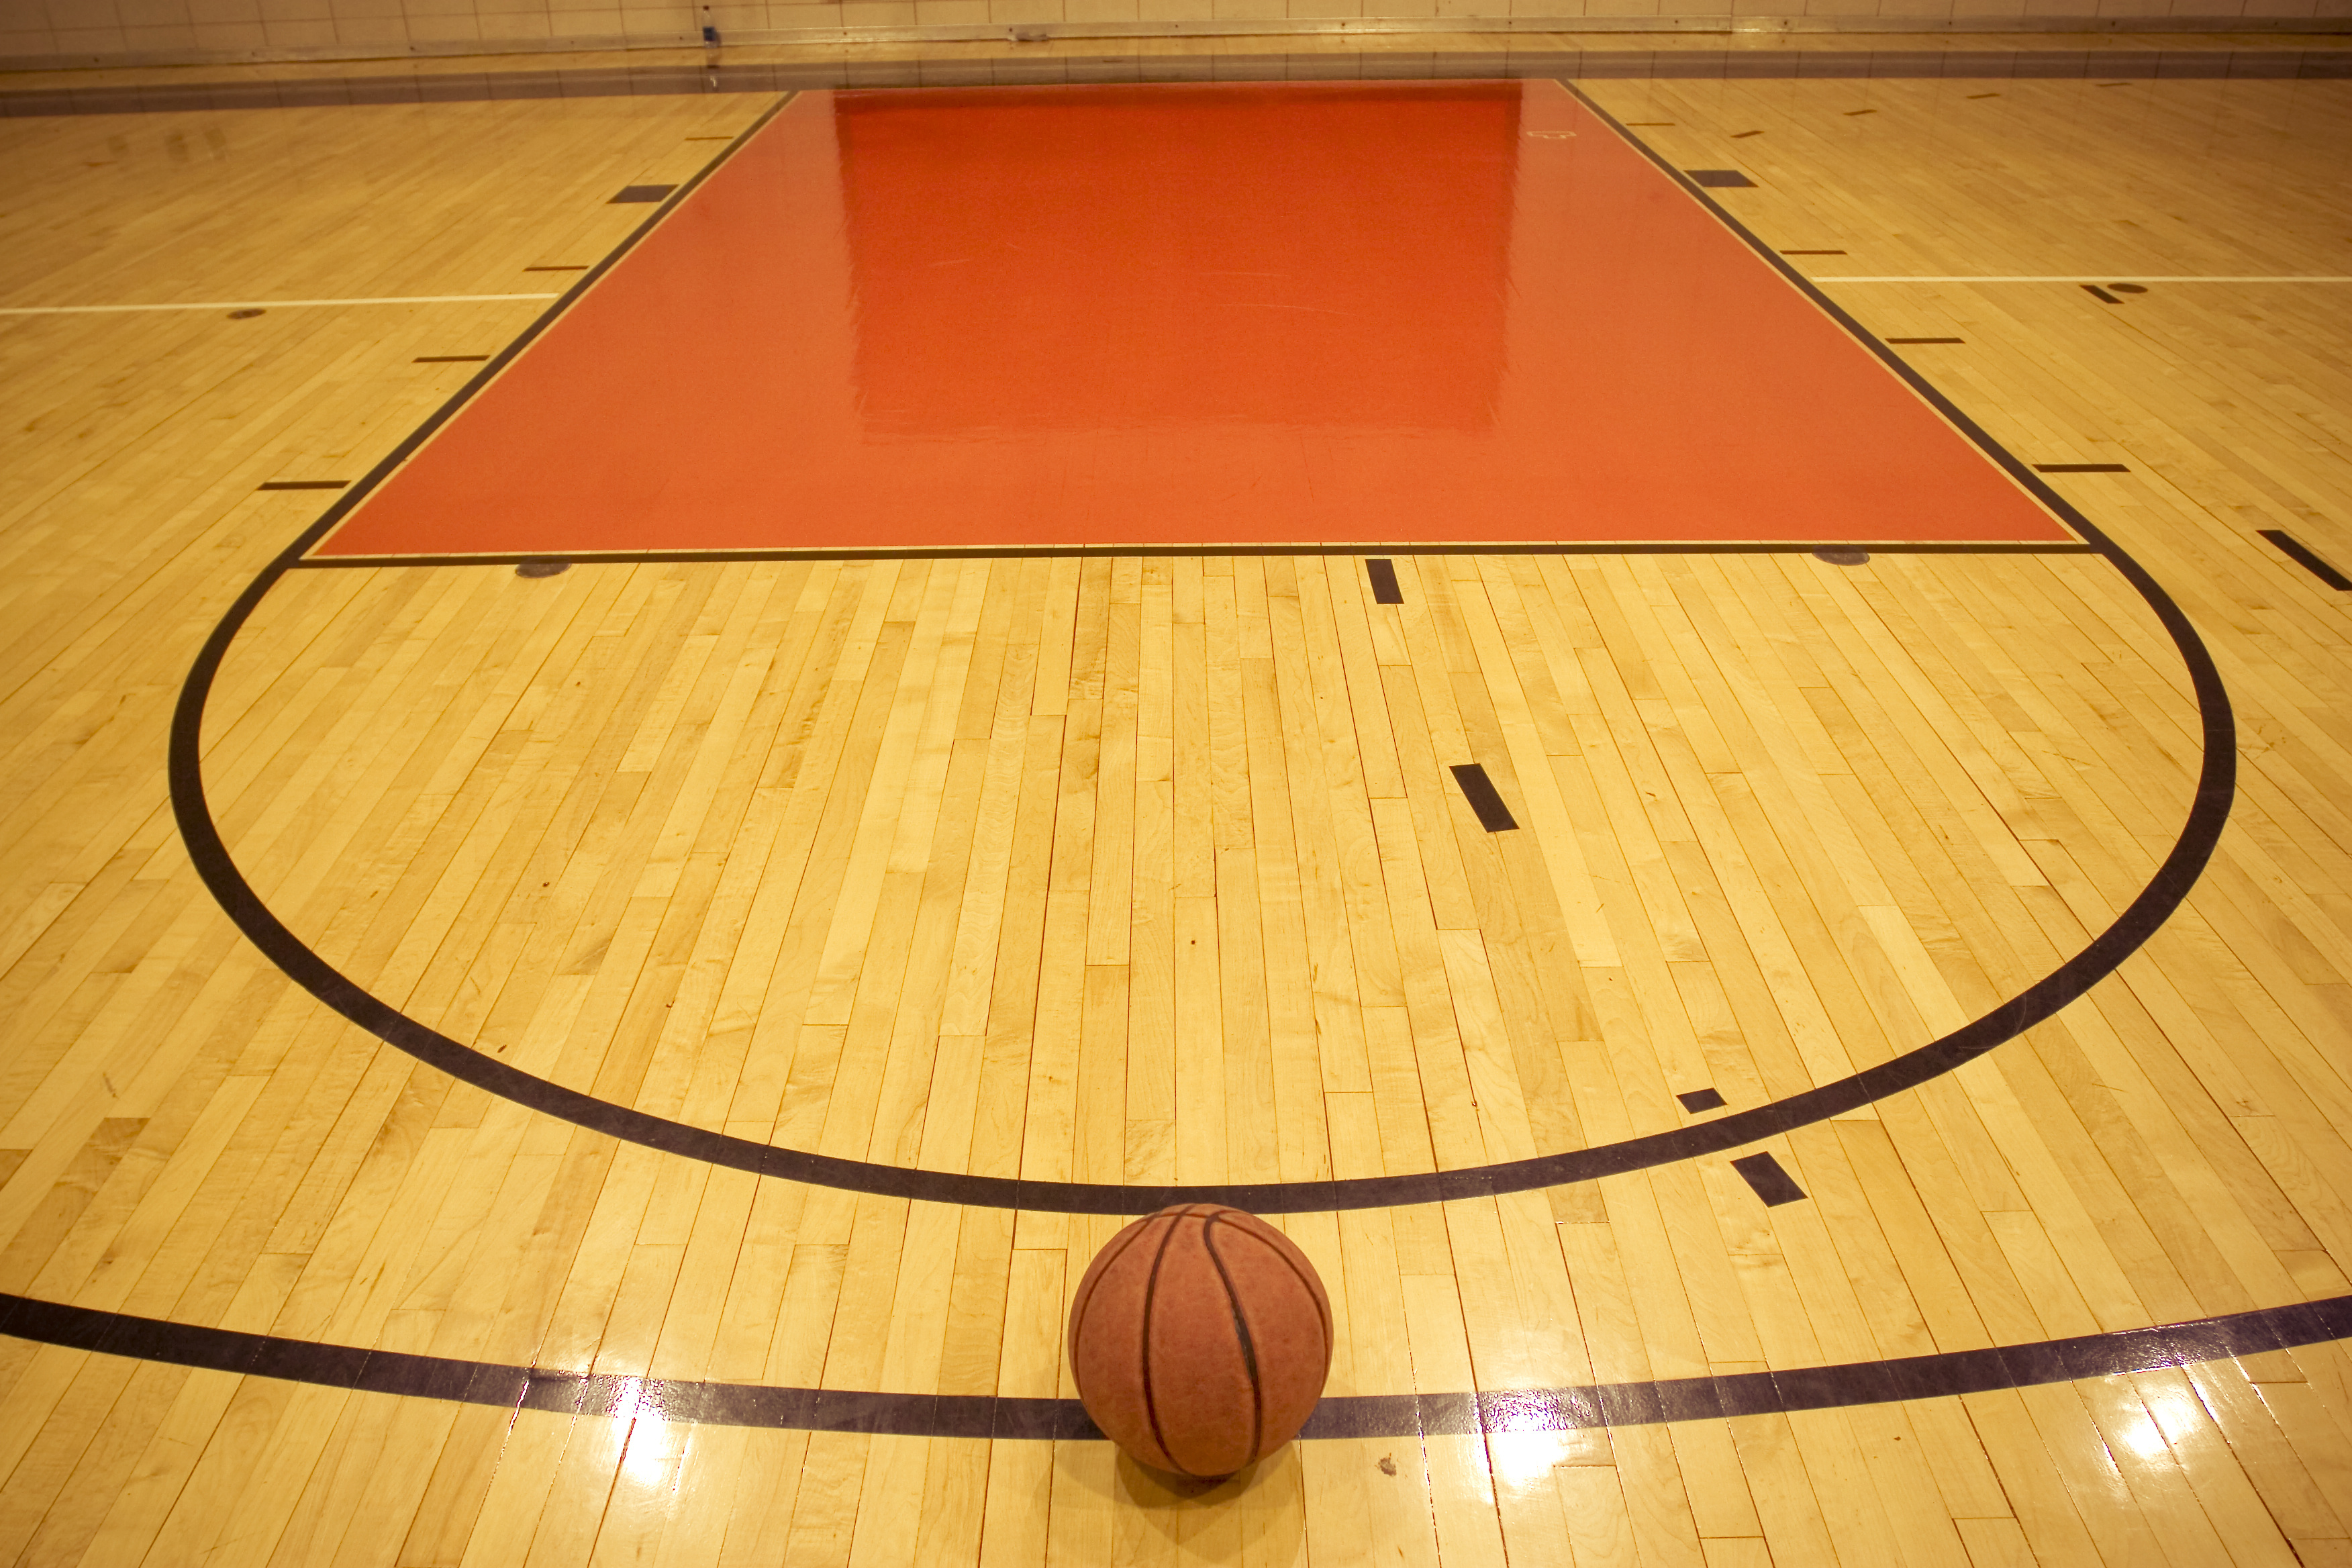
2099, 278
265, 304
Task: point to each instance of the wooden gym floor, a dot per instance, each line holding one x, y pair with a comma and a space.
1052, 874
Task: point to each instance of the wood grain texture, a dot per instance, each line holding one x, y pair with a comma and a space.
1130, 870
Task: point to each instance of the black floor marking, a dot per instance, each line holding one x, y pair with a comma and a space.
1743, 135
1813, 253
541, 566
1772, 1184
1613, 64
642, 194
2310, 560
304, 485
1720, 179
1926, 340
1851, 112
247, 314
2081, 468
1700, 1100
2079, 1359
567, 267
1479, 791
1844, 557
1384, 582
2097, 292
2128, 288
2155, 902
452, 359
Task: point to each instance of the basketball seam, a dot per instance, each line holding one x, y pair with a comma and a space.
1086, 1289
1322, 1304
1241, 1331
1143, 1358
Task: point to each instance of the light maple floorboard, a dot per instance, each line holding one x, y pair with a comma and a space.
1149, 870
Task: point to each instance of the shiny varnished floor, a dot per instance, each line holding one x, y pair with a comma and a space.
1149, 870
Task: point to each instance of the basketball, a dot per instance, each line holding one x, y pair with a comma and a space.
1200, 1338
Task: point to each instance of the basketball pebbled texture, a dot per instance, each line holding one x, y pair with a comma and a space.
1200, 1338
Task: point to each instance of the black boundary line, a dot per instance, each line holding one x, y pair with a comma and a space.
2155, 902
1959, 65
1943, 1374
1046, 551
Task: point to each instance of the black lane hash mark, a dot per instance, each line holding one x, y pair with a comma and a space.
2128, 288
1720, 179
1479, 791
2098, 293
1977, 95
451, 359
2081, 468
1743, 135
2310, 561
2166, 890
1384, 582
304, 485
642, 194
1837, 555
616, 1396
1926, 340
1851, 112
541, 566
247, 314
1700, 1100
1772, 1184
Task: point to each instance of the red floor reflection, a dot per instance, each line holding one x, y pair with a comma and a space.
1190, 315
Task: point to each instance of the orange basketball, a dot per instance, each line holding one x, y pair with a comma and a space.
1200, 1338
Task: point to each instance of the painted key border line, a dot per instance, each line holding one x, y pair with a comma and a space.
1578, 1407
2088, 278
2200, 831
1158, 552
267, 304
481, 298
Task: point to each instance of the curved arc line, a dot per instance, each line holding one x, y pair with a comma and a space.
2201, 832
1658, 1403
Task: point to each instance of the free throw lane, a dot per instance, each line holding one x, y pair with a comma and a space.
1257, 315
